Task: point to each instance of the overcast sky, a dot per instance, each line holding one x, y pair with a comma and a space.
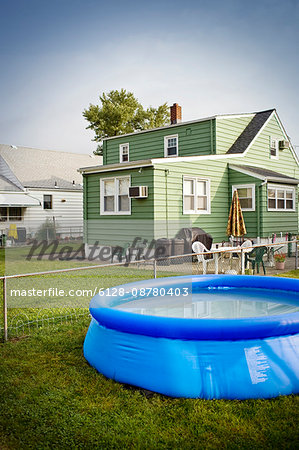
212, 57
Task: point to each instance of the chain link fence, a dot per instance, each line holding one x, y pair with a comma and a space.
15, 234
41, 298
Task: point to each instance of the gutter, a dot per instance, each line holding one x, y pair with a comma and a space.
117, 166
258, 207
154, 161
281, 180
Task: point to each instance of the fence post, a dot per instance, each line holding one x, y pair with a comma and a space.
155, 268
296, 255
242, 262
216, 256
5, 309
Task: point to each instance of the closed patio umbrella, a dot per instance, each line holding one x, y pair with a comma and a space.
235, 225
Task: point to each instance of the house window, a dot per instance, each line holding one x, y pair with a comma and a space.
281, 198
48, 201
15, 213
246, 194
196, 196
115, 196
274, 148
3, 214
171, 146
124, 153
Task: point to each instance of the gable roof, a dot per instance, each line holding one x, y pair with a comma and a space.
36, 168
8, 179
264, 174
174, 125
250, 132
7, 185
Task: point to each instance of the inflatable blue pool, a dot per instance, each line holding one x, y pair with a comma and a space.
210, 336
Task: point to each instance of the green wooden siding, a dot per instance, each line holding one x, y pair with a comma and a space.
119, 229
251, 218
261, 222
161, 214
214, 223
228, 130
277, 221
194, 139
259, 153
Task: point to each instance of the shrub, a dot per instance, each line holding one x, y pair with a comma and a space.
46, 231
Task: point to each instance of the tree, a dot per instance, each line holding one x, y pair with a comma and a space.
120, 113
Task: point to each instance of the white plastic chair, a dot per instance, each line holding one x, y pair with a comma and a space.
247, 246
199, 247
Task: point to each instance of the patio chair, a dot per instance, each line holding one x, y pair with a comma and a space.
246, 245
198, 247
256, 258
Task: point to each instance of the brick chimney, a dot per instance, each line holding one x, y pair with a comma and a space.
175, 114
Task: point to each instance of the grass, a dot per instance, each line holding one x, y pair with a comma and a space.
51, 398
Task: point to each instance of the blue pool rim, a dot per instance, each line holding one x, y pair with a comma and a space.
101, 308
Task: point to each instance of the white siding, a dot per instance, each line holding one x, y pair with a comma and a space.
68, 214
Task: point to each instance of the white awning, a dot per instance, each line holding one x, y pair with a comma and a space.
18, 199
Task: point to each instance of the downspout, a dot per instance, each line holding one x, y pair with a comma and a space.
85, 228
258, 207
104, 152
166, 172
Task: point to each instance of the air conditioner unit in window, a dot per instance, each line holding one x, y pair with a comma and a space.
138, 192
283, 145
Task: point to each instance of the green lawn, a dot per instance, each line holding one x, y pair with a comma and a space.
51, 398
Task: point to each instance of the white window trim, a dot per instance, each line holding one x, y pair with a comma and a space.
52, 202
115, 212
246, 186
207, 180
121, 146
276, 146
280, 187
172, 136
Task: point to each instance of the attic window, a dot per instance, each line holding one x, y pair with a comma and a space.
171, 145
274, 148
124, 153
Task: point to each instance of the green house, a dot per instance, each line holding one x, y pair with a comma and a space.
153, 183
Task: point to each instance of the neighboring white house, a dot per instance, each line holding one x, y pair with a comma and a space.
41, 185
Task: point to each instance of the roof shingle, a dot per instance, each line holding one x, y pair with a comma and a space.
38, 168
252, 129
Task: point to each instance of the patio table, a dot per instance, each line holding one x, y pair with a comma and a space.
224, 250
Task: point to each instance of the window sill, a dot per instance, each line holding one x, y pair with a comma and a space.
281, 210
196, 213
127, 213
